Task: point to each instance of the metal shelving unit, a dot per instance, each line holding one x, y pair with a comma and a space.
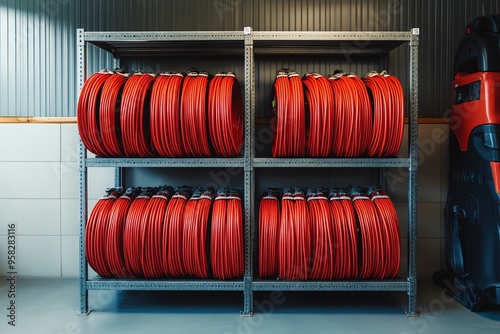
250, 43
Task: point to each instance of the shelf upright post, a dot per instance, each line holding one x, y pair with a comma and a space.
249, 183
82, 169
412, 180
118, 170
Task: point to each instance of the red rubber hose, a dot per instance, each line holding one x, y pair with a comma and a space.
388, 110
269, 228
152, 234
96, 231
193, 110
134, 116
321, 236
114, 239
87, 112
172, 236
225, 115
353, 247
109, 115
398, 114
389, 220
132, 234
165, 115
342, 256
290, 135
346, 132
196, 224
295, 237
372, 265
364, 118
320, 101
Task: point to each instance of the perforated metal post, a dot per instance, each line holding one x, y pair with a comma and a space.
249, 173
83, 197
412, 180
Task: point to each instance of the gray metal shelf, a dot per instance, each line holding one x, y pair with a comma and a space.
164, 162
344, 285
250, 43
331, 162
163, 284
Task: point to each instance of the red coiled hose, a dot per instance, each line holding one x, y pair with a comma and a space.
269, 229
132, 234
295, 237
109, 115
114, 239
193, 109
363, 115
324, 248
347, 130
351, 248
290, 135
134, 116
165, 115
389, 220
226, 244
152, 233
225, 115
96, 233
87, 112
196, 221
173, 231
320, 101
374, 257
341, 256
388, 110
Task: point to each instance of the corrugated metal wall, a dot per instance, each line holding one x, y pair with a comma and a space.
37, 57
37, 38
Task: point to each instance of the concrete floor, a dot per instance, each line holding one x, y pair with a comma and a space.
45, 306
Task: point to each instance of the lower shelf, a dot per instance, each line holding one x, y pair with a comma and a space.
397, 284
162, 284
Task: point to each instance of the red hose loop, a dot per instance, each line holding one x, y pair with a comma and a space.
152, 232
389, 220
195, 233
87, 112
135, 115
269, 229
173, 232
165, 115
225, 115
324, 248
114, 239
226, 244
295, 236
96, 233
193, 110
321, 111
388, 110
290, 135
132, 234
109, 115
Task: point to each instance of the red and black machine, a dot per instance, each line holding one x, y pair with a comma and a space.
472, 211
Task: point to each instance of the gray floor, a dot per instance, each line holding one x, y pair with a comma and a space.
50, 307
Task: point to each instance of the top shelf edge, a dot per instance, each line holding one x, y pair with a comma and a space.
143, 36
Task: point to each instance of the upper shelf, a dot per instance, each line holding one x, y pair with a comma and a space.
168, 43
232, 42
329, 42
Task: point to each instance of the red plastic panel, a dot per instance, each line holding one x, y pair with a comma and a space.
464, 117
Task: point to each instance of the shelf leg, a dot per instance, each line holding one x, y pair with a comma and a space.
84, 294
248, 298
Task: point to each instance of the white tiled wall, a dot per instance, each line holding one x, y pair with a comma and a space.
39, 192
